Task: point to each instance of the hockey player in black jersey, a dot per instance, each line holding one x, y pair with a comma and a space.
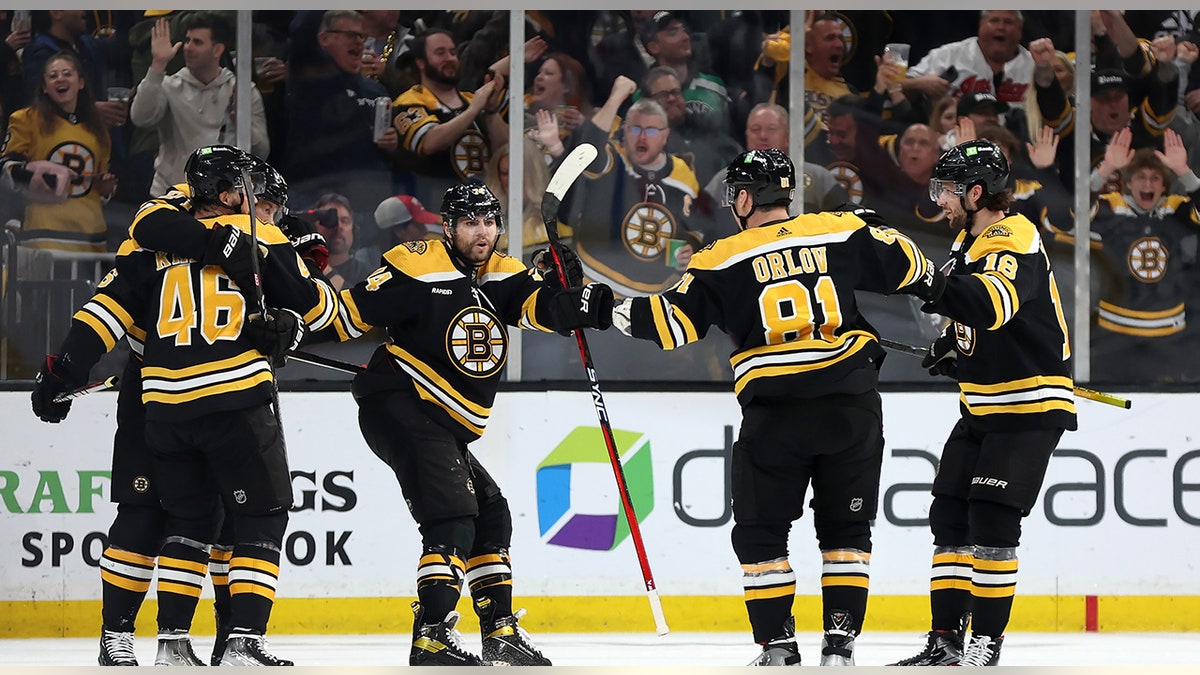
428, 392
136, 534
1008, 348
806, 367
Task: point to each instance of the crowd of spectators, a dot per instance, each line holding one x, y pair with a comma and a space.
669, 97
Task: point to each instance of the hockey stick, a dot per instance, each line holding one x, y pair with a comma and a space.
326, 362
86, 389
260, 298
566, 174
1089, 394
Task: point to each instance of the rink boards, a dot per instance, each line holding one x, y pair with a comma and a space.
1111, 544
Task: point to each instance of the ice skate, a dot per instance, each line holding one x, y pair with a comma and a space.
781, 651
511, 644
942, 648
249, 649
837, 649
982, 650
116, 648
175, 649
438, 644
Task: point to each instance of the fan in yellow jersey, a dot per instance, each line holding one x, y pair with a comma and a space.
63, 126
428, 392
805, 366
1007, 346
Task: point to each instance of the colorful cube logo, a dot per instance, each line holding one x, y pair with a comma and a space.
560, 516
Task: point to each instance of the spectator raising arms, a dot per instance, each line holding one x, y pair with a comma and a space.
64, 127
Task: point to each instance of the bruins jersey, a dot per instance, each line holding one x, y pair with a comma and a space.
78, 225
1148, 249
1014, 363
784, 292
196, 360
419, 110
447, 339
627, 222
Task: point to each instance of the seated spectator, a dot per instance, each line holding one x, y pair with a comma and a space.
707, 149
993, 61
400, 219
331, 141
447, 135
345, 267
767, 127
1149, 238
63, 126
194, 107
536, 178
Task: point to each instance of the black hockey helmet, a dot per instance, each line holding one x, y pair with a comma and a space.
471, 200
974, 162
214, 169
268, 183
768, 175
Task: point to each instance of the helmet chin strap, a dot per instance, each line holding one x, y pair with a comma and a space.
744, 221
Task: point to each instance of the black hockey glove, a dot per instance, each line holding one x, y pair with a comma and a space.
942, 358
231, 249
871, 216
543, 261
589, 306
929, 287
275, 334
54, 378
306, 240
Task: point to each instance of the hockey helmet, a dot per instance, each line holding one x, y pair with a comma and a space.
974, 162
768, 175
268, 183
214, 169
471, 200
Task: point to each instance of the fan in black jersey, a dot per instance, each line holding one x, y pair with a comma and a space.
428, 392
805, 366
1007, 346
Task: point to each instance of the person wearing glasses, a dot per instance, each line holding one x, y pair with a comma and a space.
700, 135
331, 142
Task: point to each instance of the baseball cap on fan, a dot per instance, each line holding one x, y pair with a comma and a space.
1109, 80
972, 102
401, 209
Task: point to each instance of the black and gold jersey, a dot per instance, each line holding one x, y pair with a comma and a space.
1149, 250
628, 222
419, 110
446, 327
784, 292
1014, 364
196, 359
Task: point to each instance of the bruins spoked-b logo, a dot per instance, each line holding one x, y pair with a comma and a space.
476, 342
648, 226
470, 155
1148, 260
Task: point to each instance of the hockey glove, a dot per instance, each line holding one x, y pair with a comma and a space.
543, 261
53, 379
589, 306
306, 240
275, 333
930, 286
942, 358
231, 249
871, 216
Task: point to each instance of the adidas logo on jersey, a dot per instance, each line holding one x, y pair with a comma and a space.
442, 291
783, 231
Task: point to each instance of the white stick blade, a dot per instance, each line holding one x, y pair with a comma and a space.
570, 168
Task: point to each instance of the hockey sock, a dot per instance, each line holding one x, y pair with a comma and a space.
770, 589
124, 580
994, 584
439, 582
845, 581
253, 573
182, 565
950, 586
489, 576
218, 571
